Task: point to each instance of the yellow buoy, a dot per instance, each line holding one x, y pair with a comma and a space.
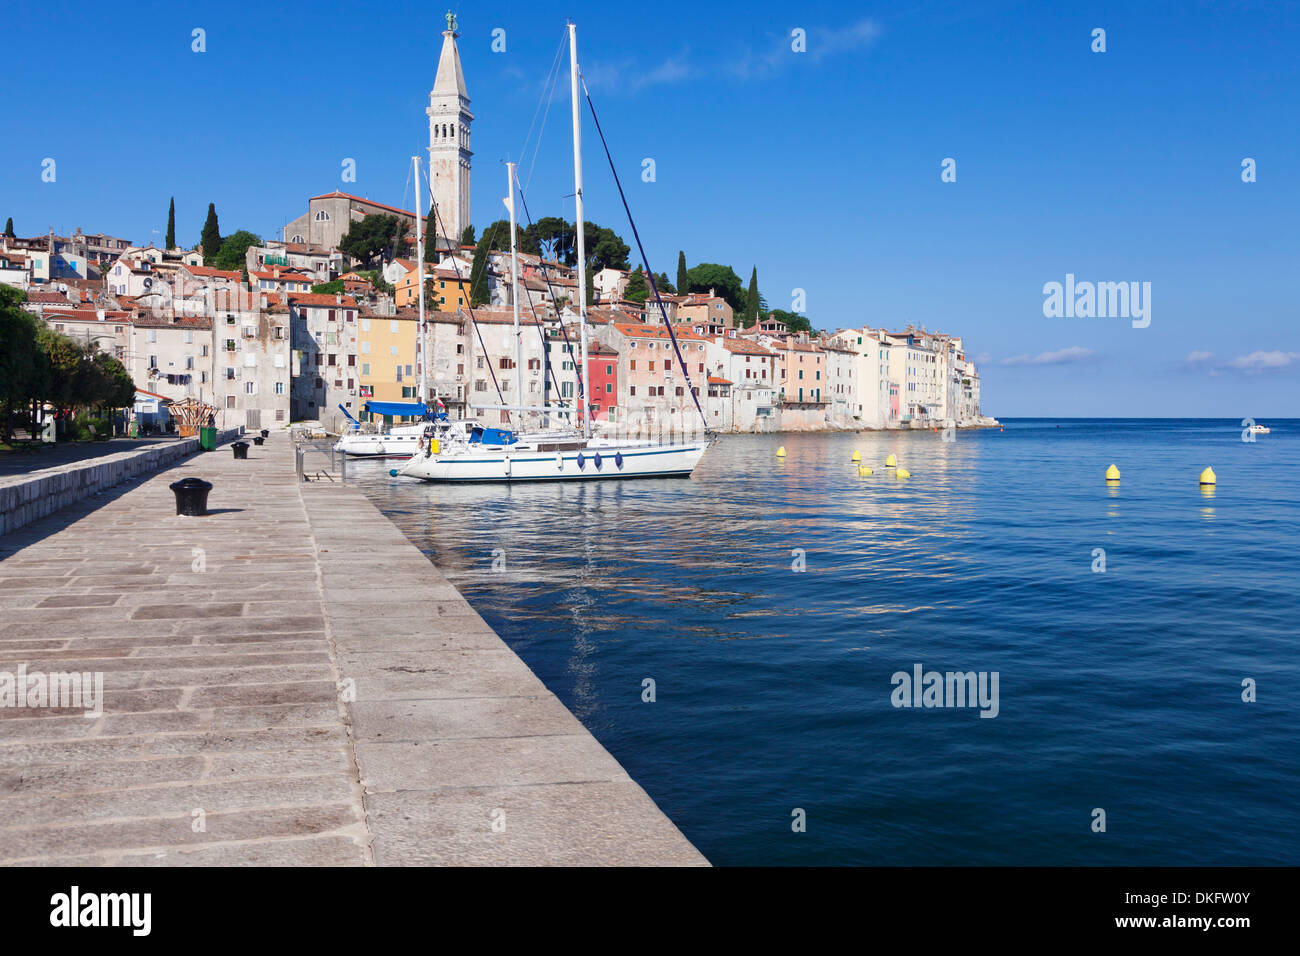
891, 461
1112, 473
1208, 477
863, 471
780, 452
902, 473
857, 456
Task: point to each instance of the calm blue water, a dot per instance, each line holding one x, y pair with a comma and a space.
1119, 690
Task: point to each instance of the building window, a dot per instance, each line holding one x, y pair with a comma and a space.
322, 216
279, 388
365, 368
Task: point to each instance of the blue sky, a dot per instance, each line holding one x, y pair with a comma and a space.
820, 167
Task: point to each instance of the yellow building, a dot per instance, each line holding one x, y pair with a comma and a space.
387, 356
444, 292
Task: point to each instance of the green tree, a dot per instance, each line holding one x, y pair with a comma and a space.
328, 288
605, 249
367, 238
683, 281
18, 356
751, 301
431, 236
467, 236
721, 279
9, 228
552, 237
793, 320
171, 225
234, 248
663, 285
498, 234
638, 290
211, 236
478, 282
590, 286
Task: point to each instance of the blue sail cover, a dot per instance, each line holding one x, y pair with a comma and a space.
414, 409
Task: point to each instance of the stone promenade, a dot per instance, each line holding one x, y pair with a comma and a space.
286, 681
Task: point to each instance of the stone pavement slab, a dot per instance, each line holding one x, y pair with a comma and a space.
286, 681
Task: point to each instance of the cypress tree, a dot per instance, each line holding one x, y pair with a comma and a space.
9, 228
751, 302
683, 285
467, 237
431, 237
591, 286
211, 235
171, 225
478, 284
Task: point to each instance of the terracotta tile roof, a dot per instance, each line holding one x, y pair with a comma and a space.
370, 202
743, 347
207, 273
648, 331
317, 299
714, 380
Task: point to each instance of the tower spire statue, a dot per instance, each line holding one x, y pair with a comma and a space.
449, 152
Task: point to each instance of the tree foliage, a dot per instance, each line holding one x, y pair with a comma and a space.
751, 301
721, 279
683, 281
40, 366
367, 238
467, 236
234, 249
638, 290
478, 281
171, 225
210, 239
793, 320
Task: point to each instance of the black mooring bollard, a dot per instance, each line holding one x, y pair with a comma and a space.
191, 496
240, 449
258, 439
266, 433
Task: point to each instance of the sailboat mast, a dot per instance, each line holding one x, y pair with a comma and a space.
579, 225
514, 280
419, 271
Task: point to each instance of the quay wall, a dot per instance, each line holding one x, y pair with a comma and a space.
26, 498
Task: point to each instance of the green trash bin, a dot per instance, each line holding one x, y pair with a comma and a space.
208, 439
133, 430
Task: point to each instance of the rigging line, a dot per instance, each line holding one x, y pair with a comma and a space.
548, 94
473, 321
546, 355
546, 276
650, 276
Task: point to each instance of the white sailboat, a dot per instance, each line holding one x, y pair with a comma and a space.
478, 454
397, 441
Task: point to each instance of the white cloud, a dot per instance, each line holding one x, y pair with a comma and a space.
1260, 361
822, 42
1199, 356
1066, 356
630, 78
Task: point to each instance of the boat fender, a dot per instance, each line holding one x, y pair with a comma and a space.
434, 446
379, 448
597, 461
618, 459
582, 461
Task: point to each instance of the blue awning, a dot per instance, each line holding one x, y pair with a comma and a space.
415, 409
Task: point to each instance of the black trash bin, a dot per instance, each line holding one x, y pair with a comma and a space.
191, 496
258, 439
241, 449
266, 433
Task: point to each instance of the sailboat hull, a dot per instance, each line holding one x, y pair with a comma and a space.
590, 464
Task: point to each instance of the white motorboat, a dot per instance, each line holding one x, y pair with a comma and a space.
1258, 429
476, 453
